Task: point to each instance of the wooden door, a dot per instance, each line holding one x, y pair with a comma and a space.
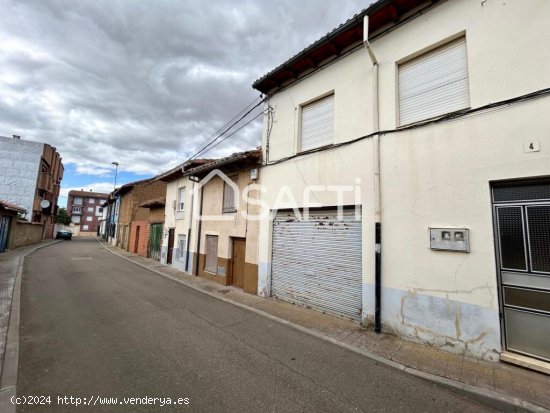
136, 241
237, 262
169, 253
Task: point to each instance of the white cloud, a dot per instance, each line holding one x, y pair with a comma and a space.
103, 187
93, 170
144, 83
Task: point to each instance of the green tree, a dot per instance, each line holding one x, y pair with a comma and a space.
62, 217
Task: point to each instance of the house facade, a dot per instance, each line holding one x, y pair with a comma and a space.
131, 220
8, 222
86, 210
179, 228
227, 243
30, 177
406, 173
146, 234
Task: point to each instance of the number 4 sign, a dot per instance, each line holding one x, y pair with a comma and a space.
533, 146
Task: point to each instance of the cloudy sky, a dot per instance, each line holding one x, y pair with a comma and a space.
144, 83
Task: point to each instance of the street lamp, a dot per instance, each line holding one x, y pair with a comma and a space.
116, 171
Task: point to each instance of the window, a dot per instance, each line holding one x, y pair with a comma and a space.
90, 209
181, 198
77, 210
180, 249
85, 227
317, 124
211, 262
76, 219
89, 218
99, 211
434, 83
77, 201
229, 198
91, 200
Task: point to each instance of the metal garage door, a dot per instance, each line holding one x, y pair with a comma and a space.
317, 262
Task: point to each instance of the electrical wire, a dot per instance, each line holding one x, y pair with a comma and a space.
207, 147
236, 130
445, 118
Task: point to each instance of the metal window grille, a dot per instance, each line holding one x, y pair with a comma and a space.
180, 250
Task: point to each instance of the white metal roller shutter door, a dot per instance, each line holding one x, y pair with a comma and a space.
317, 263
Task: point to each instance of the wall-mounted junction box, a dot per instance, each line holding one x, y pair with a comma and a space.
450, 239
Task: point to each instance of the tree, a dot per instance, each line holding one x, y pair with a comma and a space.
62, 217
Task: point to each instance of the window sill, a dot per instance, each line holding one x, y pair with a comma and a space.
229, 211
313, 150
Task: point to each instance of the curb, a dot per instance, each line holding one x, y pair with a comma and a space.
491, 398
8, 375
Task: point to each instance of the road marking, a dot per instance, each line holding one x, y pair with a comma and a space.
81, 258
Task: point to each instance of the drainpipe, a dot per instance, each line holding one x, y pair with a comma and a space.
189, 229
196, 272
377, 195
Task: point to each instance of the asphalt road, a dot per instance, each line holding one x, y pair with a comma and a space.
94, 325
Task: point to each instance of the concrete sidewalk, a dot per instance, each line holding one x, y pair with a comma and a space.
513, 386
11, 263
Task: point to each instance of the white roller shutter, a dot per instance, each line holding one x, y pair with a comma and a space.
318, 123
434, 83
317, 263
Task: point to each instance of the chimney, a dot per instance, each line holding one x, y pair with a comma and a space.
16, 137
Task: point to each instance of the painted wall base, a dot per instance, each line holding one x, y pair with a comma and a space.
264, 279
450, 325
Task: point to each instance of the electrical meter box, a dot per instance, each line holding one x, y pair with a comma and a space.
450, 239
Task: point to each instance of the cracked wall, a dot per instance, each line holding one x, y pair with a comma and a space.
441, 322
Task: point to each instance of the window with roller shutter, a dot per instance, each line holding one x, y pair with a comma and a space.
211, 261
317, 124
229, 196
434, 83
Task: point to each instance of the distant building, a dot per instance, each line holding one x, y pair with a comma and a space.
137, 225
31, 173
86, 210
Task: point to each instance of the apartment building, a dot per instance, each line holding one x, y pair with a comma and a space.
86, 210
30, 177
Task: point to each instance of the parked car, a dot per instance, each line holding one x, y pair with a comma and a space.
64, 234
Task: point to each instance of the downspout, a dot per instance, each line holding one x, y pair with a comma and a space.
196, 272
377, 191
189, 229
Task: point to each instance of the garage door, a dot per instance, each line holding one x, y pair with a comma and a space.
317, 262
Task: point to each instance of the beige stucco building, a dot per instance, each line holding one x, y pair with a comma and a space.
461, 200
178, 246
206, 212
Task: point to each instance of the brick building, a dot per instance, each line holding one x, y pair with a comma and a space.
31, 173
135, 227
86, 210
146, 235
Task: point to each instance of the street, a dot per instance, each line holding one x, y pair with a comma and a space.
94, 326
